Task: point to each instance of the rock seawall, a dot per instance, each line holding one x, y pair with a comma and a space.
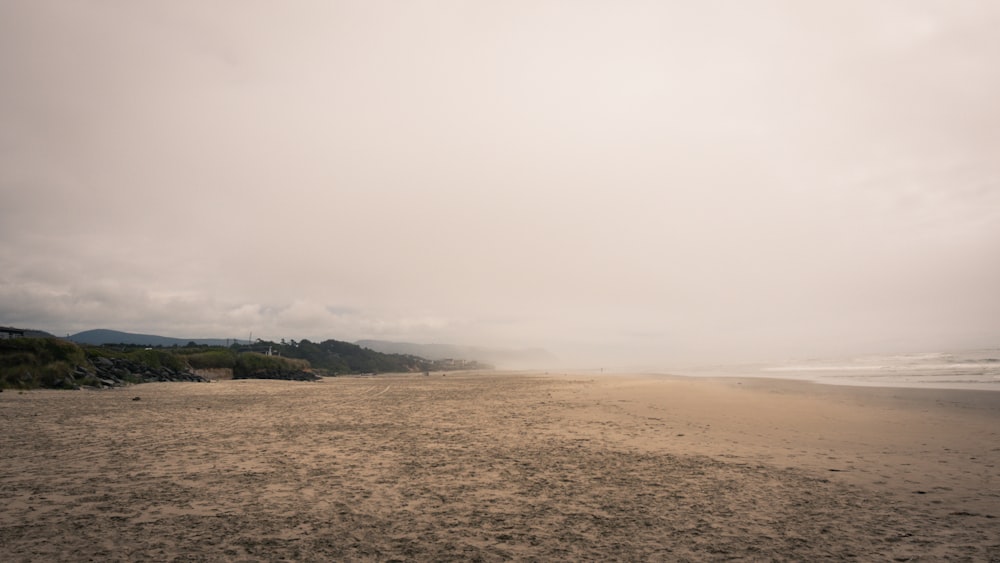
115, 372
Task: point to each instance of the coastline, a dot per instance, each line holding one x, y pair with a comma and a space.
977, 370
500, 466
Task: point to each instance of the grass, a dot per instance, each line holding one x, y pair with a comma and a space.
212, 359
249, 364
26, 363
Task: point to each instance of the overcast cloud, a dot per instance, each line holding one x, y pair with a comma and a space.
615, 181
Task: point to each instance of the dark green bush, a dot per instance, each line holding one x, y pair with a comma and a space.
33, 362
213, 359
158, 358
44, 350
53, 374
249, 364
15, 358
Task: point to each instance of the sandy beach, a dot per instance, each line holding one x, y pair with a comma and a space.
499, 466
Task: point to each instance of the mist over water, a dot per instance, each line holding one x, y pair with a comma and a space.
967, 369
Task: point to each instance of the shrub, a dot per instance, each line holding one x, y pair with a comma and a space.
53, 374
31, 362
14, 359
44, 350
213, 359
158, 359
250, 364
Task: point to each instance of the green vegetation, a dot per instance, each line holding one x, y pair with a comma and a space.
159, 358
43, 349
38, 362
333, 357
27, 363
212, 359
252, 364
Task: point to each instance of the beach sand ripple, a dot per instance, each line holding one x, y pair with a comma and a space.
477, 467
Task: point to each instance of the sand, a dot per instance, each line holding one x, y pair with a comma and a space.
499, 466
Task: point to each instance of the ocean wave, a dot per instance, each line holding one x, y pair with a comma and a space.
966, 369
824, 368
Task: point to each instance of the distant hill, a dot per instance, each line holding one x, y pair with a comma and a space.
522, 357
100, 336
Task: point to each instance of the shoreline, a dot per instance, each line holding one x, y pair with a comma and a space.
976, 386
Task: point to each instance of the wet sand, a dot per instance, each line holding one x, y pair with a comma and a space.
495, 466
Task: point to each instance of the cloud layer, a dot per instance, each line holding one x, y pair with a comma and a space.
640, 180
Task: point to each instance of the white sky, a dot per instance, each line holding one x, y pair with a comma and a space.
657, 181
